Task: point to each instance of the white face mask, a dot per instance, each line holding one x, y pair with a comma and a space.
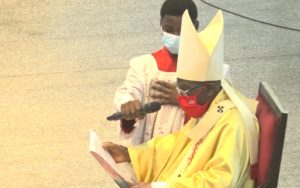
171, 42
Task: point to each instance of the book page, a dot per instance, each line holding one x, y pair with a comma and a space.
107, 162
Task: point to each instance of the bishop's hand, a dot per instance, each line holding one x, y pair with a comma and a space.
119, 153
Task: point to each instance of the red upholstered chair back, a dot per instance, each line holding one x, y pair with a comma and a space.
272, 121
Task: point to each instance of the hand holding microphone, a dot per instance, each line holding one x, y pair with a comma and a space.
134, 109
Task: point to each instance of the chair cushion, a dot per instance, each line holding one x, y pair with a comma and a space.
267, 121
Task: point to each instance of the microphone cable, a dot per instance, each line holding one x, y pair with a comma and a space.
248, 18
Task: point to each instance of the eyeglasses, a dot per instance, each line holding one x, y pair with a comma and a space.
191, 91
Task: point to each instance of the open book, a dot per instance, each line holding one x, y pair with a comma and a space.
108, 163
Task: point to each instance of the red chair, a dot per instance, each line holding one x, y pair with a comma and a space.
272, 119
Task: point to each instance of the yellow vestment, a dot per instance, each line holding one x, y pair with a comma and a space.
221, 159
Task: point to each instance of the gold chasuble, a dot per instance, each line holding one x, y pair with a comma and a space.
221, 159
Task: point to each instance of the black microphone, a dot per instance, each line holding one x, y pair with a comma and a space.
147, 108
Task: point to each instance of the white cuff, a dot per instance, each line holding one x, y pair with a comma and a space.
159, 185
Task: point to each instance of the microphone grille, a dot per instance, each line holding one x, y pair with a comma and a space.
152, 107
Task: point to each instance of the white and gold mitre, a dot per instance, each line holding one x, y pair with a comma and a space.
201, 55
200, 58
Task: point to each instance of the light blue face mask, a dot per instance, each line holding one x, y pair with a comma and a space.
171, 42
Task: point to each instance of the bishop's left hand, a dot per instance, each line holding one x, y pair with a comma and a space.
166, 92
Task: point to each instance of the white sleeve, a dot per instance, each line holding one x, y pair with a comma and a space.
133, 86
159, 185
